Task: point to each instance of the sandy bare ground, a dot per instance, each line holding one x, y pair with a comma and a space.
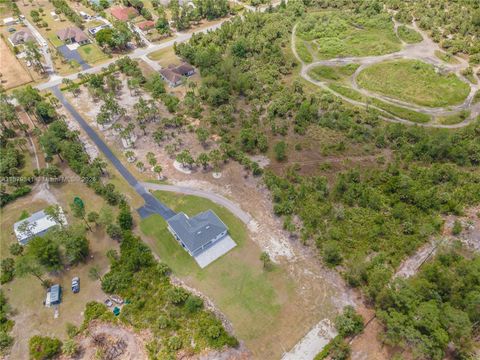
16, 75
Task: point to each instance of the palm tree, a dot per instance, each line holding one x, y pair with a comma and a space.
130, 155
157, 169
140, 166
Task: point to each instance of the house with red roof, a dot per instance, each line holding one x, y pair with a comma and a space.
146, 25
123, 13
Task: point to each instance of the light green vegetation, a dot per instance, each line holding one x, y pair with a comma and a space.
446, 57
339, 34
394, 110
55, 40
455, 118
302, 51
333, 72
347, 91
408, 35
415, 82
476, 98
401, 112
250, 297
91, 53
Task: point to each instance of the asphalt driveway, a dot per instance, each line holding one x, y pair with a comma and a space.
73, 55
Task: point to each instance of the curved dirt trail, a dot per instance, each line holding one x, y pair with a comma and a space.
424, 51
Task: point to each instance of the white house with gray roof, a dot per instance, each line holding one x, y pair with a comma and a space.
36, 225
198, 233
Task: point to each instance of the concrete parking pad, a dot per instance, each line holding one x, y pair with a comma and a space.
219, 249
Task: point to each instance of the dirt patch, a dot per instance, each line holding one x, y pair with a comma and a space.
13, 73
115, 342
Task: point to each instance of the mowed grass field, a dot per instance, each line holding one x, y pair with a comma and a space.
415, 82
264, 307
336, 34
91, 53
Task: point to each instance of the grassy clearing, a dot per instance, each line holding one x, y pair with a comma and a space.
164, 56
91, 53
347, 91
334, 73
339, 34
302, 51
455, 118
415, 82
253, 299
476, 97
408, 35
401, 112
446, 57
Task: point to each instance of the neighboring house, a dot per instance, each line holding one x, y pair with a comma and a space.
173, 75
197, 233
9, 21
36, 225
72, 35
146, 25
93, 31
21, 37
123, 13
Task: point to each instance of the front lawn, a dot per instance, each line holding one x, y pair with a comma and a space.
250, 297
415, 82
55, 40
91, 53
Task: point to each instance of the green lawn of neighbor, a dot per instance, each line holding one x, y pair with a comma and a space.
91, 53
339, 34
408, 35
250, 297
55, 40
415, 82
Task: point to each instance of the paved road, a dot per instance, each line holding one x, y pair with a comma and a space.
136, 54
152, 205
43, 47
218, 199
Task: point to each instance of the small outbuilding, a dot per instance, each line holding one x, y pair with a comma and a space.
9, 21
123, 13
54, 295
38, 224
198, 233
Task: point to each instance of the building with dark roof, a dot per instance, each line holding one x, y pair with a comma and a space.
197, 233
72, 35
54, 295
173, 75
123, 13
21, 37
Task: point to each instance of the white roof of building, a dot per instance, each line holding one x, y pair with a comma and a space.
39, 222
9, 20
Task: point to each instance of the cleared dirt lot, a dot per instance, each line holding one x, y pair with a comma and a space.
13, 72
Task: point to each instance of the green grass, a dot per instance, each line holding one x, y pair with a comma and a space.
347, 91
394, 110
91, 53
455, 118
339, 34
401, 112
415, 82
237, 282
408, 35
446, 57
302, 51
476, 97
334, 73
55, 40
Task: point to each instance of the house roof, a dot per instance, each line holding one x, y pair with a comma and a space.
171, 76
147, 24
123, 13
197, 231
71, 32
21, 36
183, 69
39, 222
